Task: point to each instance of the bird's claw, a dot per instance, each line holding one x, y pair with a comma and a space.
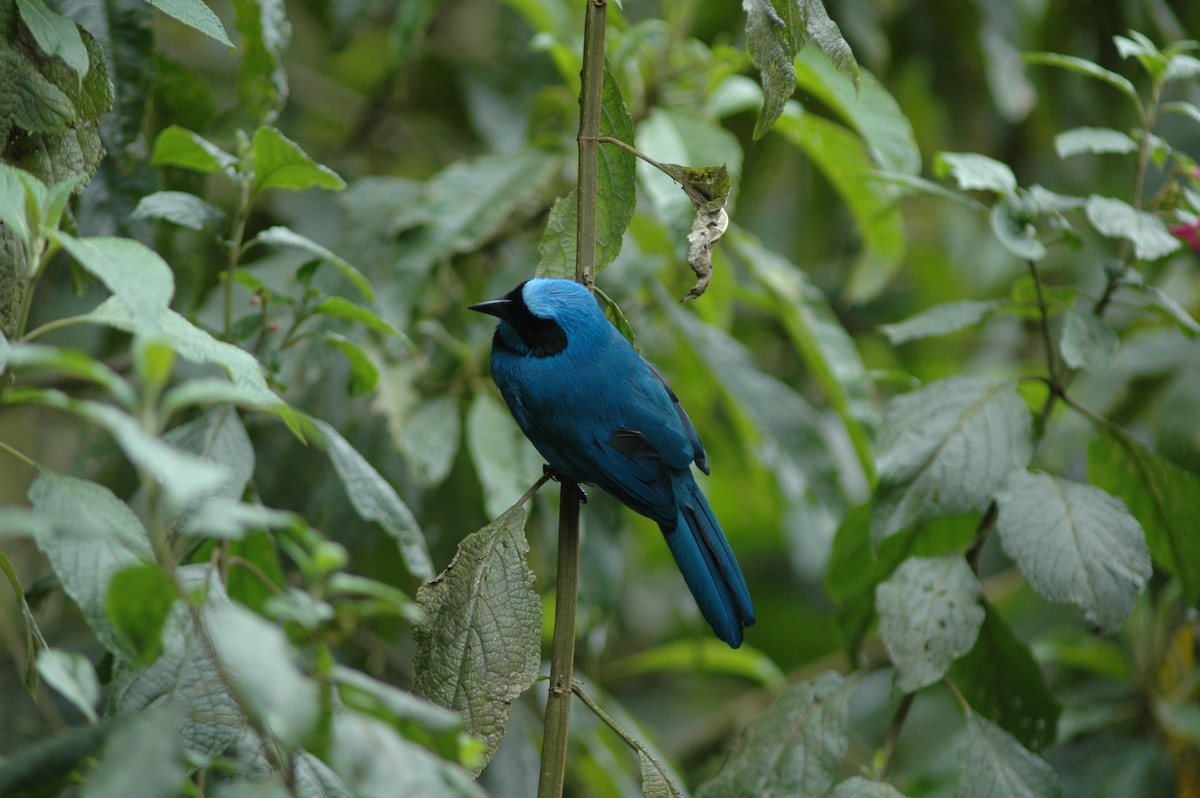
580, 493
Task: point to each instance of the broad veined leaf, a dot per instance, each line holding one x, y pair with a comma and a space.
72, 675
55, 34
266, 33
973, 171
947, 448
140, 598
136, 274
431, 438
280, 163
179, 147
194, 14
505, 461
375, 500
794, 748
1094, 140
656, 782
994, 764
929, 616
376, 762
181, 208
1004, 683
845, 161
1163, 497
185, 675
1117, 219
939, 320
1074, 543
151, 739
90, 535
1086, 340
481, 647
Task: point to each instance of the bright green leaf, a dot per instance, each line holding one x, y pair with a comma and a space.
993, 764
1084, 67
939, 320
72, 675
194, 14
342, 308
481, 647
375, 500
929, 616
557, 246
179, 147
55, 34
1164, 498
136, 274
139, 600
1074, 543
1004, 683
280, 163
947, 448
794, 748
265, 33
705, 655
364, 374
973, 171
68, 363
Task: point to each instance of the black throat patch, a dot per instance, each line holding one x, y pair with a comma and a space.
542, 337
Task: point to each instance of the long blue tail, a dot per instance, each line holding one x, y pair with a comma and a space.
707, 563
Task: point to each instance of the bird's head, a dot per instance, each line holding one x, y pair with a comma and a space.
538, 315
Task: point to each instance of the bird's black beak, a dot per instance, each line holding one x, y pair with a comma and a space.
494, 307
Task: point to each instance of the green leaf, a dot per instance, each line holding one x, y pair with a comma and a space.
150, 739
973, 171
1015, 230
994, 764
400, 707
25, 521
947, 448
261, 664
68, 363
1086, 341
1003, 682
868, 108
185, 675
286, 237
1084, 67
266, 33
280, 163
1164, 498
704, 655
825, 32
376, 762
136, 274
181, 208
1094, 140
72, 675
342, 308
774, 34
507, 463
615, 198
481, 647
375, 500
1116, 219
794, 748
939, 320
860, 787
89, 535
140, 598
430, 441
656, 781
929, 616
364, 375
1074, 543
179, 147
1184, 109
845, 161
55, 34
194, 14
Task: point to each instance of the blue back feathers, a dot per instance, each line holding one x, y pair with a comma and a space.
600, 414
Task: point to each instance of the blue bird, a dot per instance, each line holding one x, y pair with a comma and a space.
601, 415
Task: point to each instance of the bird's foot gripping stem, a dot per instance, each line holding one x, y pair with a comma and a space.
560, 479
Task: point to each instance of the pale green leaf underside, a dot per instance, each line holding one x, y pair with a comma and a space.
939, 320
1086, 341
994, 765
194, 14
1116, 219
1093, 140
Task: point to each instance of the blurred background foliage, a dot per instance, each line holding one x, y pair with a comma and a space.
453, 124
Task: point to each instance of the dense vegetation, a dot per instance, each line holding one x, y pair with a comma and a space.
945, 369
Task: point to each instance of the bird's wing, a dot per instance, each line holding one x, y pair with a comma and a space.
689, 430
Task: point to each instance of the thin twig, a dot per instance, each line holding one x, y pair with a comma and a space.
893, 732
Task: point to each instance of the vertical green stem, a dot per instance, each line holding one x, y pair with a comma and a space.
235, 250
562, 655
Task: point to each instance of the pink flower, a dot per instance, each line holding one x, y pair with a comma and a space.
1189, 232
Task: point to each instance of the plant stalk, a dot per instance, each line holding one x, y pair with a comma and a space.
562, 655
